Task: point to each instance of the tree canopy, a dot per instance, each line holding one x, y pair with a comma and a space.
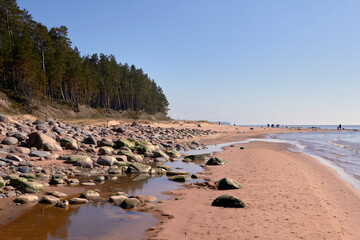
36, 62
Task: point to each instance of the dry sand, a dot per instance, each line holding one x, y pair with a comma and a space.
288, 196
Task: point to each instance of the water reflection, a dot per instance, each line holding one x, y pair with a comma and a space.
100, 220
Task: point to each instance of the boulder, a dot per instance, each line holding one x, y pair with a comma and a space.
90, 140
228, 202
20, 136
31, 187
117, 200
79, 160
26, 198
157, 171
215, 161
105, 143
48, 199
52, 147
124, 143
173, 154
138, 168
78, 201
180, 178
16, 181
69, 143
199, 157
10, 141
62, 204
90, 195
129, 155
24, 169
129, 203
145, 147
106, 160
3, 118
106, 150
227, 183
37, 153
37, 139
29, 176
160, 154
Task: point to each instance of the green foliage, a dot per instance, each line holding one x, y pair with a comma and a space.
37, 62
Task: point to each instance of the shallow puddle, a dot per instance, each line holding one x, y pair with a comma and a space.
101, 220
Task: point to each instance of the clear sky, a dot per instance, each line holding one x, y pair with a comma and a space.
241, 61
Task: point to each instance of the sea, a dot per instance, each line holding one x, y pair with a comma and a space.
339, 149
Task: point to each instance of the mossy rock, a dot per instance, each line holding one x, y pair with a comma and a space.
160, 154
199, 157
106, 144
129, 154
138, 168
145, 147
124, 143
180, 178
173, 154
32, 187
16, 181
28, 176
175, 173
129, 203
227, 183
228, 201
215, 161
136, 142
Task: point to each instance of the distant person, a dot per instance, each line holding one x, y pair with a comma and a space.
340, 126
219, 123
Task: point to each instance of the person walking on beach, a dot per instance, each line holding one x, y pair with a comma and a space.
339, 127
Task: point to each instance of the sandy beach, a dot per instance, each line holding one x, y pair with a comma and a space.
288, 195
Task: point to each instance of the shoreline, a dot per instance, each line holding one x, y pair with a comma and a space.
308, 200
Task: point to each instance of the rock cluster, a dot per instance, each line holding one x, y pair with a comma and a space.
26, 147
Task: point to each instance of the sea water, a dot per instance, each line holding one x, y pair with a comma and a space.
337, 149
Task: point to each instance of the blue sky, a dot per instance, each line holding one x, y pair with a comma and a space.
246, 62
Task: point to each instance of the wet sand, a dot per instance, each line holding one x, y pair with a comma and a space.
288, 196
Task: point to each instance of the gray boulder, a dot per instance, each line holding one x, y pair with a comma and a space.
10, 141
106, 160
